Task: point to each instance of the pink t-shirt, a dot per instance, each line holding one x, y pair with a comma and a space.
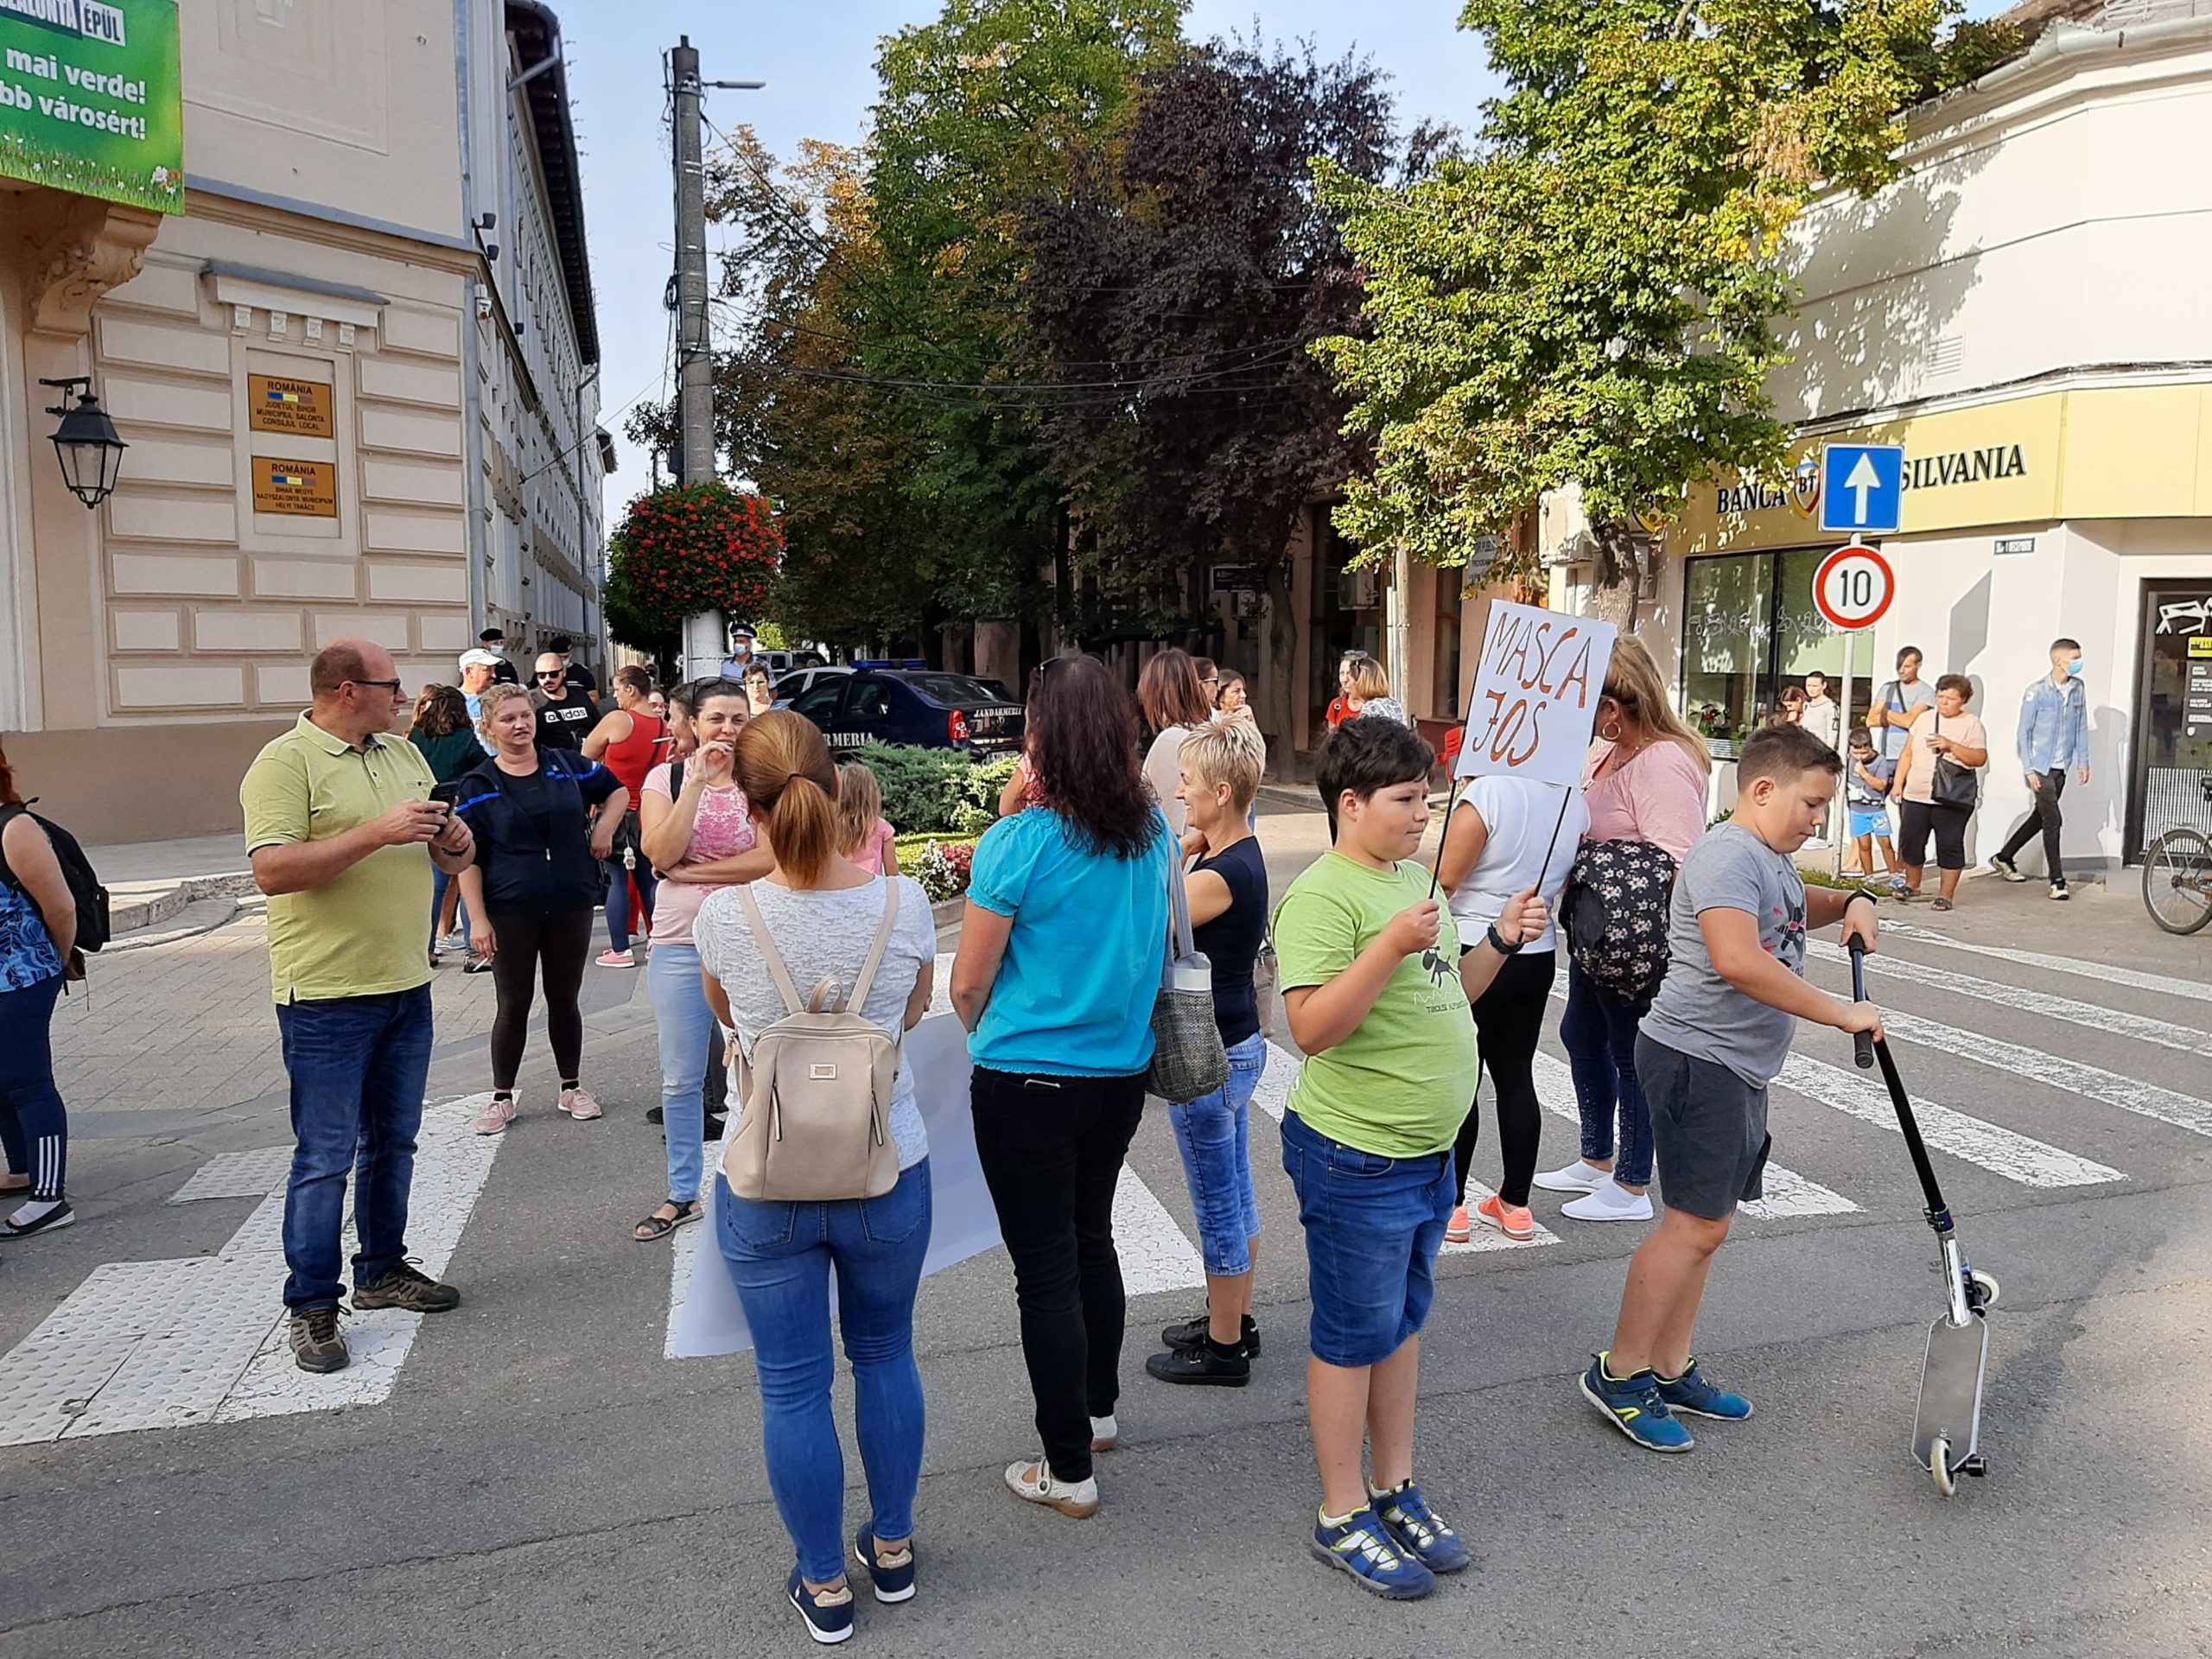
872, 854
723, 829
1658, 797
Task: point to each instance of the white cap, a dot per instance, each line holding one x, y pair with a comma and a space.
480, 659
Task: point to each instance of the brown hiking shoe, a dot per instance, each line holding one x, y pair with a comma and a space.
407, 1289
317, 1343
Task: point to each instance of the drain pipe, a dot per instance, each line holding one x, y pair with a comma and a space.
472, 397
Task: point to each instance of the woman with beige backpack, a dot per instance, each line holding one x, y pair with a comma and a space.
765, 950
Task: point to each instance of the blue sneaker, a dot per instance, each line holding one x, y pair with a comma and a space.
1690, 1392
1420, 1528
1371, 1553
1634, 1406
892, 1575
828, 1613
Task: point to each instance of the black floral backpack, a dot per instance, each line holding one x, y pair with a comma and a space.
1614, 911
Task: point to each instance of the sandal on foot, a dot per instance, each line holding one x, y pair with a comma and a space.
659, 1226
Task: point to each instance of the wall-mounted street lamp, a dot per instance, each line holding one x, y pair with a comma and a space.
90, 453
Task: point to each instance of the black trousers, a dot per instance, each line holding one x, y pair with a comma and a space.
2045, 820
1509, 1018
524, 943
1051, 1150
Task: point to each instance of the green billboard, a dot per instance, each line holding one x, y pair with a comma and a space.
89, 100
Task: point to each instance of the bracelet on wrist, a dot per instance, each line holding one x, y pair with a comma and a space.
1497, 943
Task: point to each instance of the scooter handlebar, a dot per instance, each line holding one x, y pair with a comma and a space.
1862, 1042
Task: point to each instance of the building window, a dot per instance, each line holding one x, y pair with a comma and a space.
1450, 597
1749, 631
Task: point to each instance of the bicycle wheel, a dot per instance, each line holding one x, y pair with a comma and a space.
2177, 881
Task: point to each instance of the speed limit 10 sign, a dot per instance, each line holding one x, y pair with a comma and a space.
1853, 588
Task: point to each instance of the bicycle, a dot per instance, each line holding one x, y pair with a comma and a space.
2177, 876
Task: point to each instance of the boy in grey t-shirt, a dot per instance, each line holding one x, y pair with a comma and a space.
1717, 1034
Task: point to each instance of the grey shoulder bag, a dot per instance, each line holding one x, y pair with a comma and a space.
1188, 1059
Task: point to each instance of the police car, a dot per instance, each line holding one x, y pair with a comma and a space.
922, 708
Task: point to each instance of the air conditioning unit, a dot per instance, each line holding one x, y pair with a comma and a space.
1357, 590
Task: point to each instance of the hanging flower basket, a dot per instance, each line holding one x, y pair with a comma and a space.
704, 547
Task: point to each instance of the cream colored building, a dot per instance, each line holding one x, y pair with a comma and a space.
2024, 310
344, 416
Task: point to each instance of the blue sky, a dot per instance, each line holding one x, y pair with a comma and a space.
818, 57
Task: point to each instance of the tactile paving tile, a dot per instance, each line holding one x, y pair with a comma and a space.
46, 1384
237, 1175
174, 1380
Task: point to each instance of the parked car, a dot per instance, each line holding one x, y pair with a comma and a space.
924, 707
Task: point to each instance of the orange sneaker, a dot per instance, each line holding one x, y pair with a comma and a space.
1511, 1219
1458, 1229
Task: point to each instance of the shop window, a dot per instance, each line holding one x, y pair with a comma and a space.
2172, 757
1749, 631
1450, 590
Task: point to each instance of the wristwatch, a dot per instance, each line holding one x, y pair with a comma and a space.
1497, 943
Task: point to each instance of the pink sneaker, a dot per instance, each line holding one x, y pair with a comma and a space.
1511, 1219
580, 1104
1458, 1229
496, 1116
615, 959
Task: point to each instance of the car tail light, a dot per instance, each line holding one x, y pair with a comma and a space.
956, 727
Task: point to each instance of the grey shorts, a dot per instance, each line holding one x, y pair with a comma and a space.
1708, 1126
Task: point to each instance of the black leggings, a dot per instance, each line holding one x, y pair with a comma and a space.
1949, 825
521, 941
1509, 1018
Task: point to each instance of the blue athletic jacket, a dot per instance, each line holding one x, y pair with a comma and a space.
530, 866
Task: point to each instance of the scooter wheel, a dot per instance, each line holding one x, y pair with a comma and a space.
1939, 1465
1984, 1288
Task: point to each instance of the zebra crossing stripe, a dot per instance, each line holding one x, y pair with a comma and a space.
1156, 1253
1788, 1193
2165, 984
2162, 1033
2001, 1152
2034, 1065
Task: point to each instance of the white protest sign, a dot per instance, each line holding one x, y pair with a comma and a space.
1536, 694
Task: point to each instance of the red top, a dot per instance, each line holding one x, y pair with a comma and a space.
637, 754
1339, 712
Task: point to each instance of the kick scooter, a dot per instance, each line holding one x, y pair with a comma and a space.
1946, 1429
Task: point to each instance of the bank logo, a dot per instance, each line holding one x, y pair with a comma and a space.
1805, 487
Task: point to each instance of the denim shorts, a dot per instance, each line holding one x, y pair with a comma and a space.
1213, 1134
1373, 1227
1869, 821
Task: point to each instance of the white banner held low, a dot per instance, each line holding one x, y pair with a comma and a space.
1536, 694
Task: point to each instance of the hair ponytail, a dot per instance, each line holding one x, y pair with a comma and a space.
791, 784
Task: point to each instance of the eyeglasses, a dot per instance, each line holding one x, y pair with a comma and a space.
390, 686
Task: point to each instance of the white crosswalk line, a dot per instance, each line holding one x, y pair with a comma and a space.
2165, 984
1155, 1253
2035, 1065
1788, 1193
1272, 1095
2162, 1033
2001, 1152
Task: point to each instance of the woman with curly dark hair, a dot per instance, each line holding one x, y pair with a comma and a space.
1060, 946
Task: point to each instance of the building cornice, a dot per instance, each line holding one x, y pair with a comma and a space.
256, 211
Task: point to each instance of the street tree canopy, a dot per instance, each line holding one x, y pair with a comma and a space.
1587, 295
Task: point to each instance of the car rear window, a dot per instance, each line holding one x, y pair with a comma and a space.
952, 688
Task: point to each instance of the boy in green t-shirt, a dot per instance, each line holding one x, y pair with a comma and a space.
1368, 963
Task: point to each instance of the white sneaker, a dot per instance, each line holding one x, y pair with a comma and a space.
1611, 1201
1032, 1481
454, 942
1577, 1177
1105, 1433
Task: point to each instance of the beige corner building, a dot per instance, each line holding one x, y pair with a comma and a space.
356, 374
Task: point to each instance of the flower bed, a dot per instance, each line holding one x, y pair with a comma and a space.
940, 863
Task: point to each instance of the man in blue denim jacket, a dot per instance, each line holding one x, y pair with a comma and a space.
2054, 736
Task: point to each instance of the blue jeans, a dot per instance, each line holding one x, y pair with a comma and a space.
1599, 1031
779, 1256
1213, 1133
1373, 1227
617, 897
686, 1025
359, 1066
34, 1127
439, 879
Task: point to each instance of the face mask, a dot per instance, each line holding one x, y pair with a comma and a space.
2074, 669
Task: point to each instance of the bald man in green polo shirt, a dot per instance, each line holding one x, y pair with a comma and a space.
342, 834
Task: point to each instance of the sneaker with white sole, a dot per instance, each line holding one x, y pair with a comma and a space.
1032, 1481
1611, 1201
1577, 1177
2008, 869
828, 1613
1511, 1219
615, 959
579, 1103
1458, 1229
454, 942
2058, 891
498, 1113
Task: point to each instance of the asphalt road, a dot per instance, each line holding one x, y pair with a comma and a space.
539, 1479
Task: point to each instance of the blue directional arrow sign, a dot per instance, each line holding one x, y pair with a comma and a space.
1862, 487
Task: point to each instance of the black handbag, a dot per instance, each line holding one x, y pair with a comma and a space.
1954, 784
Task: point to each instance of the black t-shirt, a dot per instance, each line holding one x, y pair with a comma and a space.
562, 725
505, 674
1231, 941
581, 679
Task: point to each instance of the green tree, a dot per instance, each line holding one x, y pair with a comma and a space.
1587, 295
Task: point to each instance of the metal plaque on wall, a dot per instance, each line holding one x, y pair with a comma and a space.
306, 488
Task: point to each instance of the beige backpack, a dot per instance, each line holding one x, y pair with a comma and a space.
815, 1090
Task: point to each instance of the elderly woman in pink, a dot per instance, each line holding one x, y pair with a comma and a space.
1645, 782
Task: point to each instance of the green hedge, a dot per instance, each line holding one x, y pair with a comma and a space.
937, 791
